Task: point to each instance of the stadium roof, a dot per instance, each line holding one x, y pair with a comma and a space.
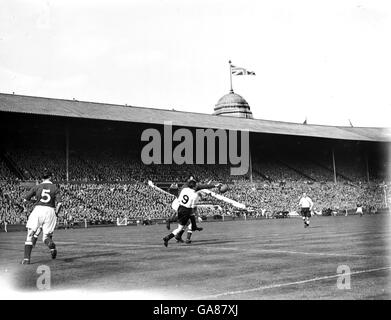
102, 111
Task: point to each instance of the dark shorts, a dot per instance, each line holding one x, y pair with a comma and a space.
184, 215
305, 212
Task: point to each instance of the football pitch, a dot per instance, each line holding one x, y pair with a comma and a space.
335, 258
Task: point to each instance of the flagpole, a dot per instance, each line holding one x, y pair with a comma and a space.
230, 75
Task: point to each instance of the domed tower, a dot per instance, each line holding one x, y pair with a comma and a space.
233, 105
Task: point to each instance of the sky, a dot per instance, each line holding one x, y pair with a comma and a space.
327, 61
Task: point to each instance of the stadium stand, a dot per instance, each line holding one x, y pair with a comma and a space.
103, 202
98, 166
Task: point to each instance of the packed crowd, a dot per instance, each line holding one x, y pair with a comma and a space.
111, 186
105, 202
107, 166
11, 209
311, 170
275, 197
116, 165
351, 170
25, 160
319, 170
272, 172
97, 203
5, 173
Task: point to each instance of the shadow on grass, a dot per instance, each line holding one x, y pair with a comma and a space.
209, 241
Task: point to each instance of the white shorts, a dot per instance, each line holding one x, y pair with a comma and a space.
42, 216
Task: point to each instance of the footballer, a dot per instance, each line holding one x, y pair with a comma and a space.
186, 206
306, 205
43, 217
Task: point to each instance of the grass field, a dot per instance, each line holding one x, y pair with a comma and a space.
254, 259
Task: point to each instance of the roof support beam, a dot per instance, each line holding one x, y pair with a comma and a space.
334, 170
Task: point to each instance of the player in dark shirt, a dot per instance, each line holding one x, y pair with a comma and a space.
174, 190
43, 217
45, 193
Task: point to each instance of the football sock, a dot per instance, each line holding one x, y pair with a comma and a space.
167, 238
170, 236
189, 235
180, 233
27, 251
193, 223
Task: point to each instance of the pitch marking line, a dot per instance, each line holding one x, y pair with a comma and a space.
295, 252
280, 285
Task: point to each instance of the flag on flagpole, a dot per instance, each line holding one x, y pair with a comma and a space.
238, 71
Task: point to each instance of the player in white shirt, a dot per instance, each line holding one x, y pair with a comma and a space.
306, 205
359, 209
189, 227
5, 223
186, 203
